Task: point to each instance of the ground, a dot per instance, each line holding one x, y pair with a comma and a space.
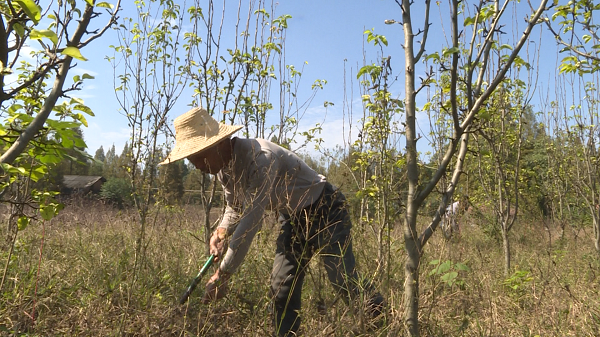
90, 272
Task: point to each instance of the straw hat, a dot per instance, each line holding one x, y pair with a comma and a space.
195, 131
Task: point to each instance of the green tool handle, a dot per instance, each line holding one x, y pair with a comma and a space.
197, 279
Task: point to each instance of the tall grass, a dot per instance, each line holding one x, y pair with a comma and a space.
74, 276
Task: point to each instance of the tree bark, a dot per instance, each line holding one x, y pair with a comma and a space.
597, 234
506, 247
411, 242
411, 275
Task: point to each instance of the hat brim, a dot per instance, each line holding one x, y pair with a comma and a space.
194, 145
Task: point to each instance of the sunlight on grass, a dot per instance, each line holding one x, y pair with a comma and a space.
89, 283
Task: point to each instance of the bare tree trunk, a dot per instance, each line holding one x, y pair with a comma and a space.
411, 273
597, 232
411, 241
506, 247
206, 200
562, 218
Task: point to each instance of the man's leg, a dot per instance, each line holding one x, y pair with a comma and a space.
291, 258
335, 243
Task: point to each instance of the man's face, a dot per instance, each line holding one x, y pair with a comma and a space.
208, 161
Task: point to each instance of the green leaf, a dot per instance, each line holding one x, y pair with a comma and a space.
90, 2
47, 212
80, 143
50, 159
434, 56
105, 5
37, 34
586, 38
362, 71
67, 142
383, 40
449, 277
450, 51
84, 108
12, 169
462, 266
38, 173
262, 11
22, 223
19, 29
14, 108
33, 11
444, 267
82, 119
74, 53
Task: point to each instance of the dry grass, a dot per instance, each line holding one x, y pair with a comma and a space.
553, 290
93, 282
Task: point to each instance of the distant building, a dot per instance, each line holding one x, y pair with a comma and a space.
81, 185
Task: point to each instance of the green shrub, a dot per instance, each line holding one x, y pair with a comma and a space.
448, 272
117, 191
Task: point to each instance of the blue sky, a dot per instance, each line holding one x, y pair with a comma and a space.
327, 35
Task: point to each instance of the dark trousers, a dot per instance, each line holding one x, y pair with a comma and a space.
322, 228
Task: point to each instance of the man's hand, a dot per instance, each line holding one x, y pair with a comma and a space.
217, 287
218, 243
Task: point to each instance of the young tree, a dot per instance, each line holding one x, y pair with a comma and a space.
30, 140
149, 67
564, 198
19, 24
578, 34
499, 144
581, 148
469, 68
378, 162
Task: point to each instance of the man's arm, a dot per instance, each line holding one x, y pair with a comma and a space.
256, 198
226, 227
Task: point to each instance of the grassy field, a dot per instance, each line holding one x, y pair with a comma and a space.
81, 274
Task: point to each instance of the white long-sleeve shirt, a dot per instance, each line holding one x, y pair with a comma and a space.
262, 176
452, 209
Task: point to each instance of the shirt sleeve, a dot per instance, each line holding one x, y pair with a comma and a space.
261, 178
